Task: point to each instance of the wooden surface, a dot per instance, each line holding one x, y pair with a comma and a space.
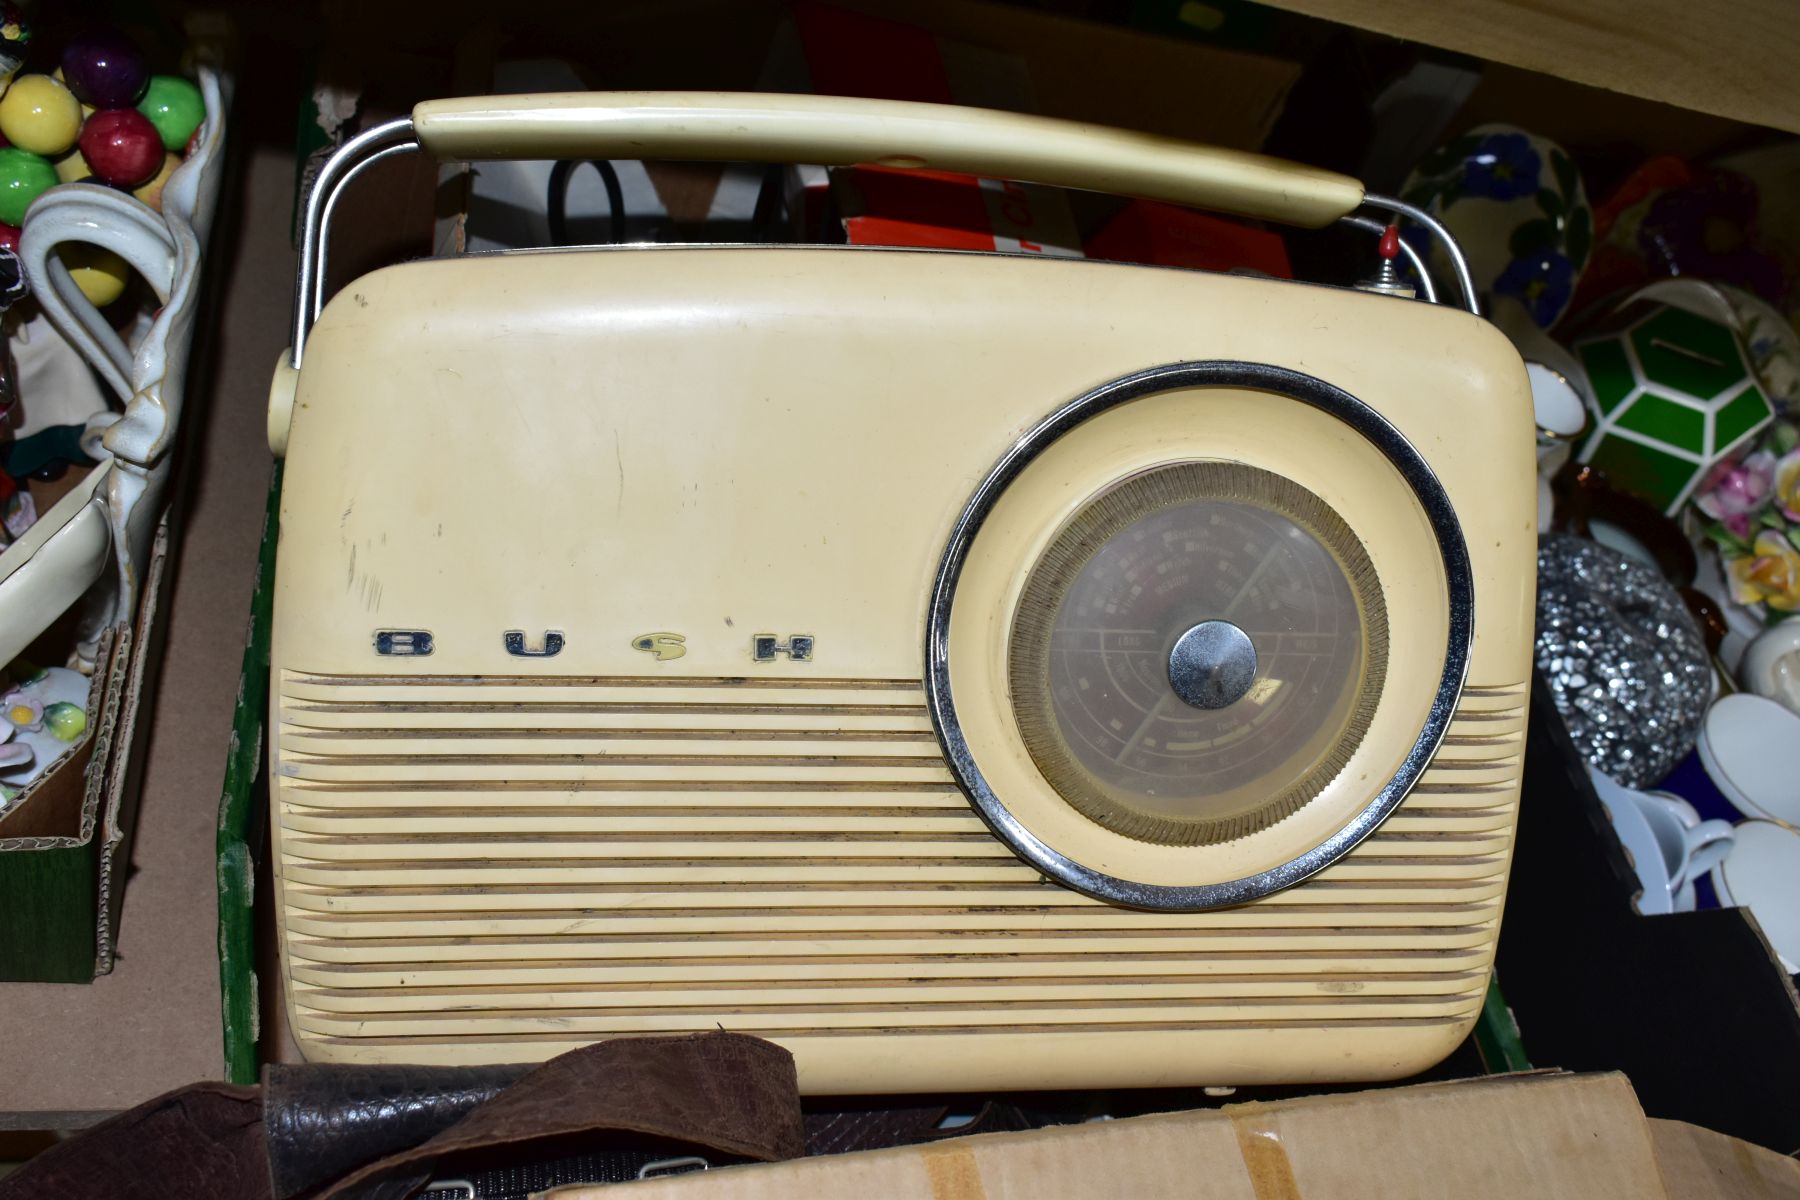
72, 1053
1738, 60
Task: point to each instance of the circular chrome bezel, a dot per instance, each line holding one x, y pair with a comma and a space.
1435, 505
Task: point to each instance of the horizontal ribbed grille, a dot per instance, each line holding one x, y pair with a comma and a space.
502, 868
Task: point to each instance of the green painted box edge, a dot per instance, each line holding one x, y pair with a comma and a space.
51, 901
53, 919
241, 818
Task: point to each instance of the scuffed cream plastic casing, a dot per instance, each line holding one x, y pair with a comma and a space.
483, 857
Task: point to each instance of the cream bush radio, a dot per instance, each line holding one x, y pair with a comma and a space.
968, 670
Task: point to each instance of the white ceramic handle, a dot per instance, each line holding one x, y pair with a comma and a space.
95, 215
1707, 845
1675, 806
840, 131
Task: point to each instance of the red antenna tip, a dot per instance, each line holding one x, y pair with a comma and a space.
1390, 242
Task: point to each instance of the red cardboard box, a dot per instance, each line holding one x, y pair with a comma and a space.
1147, 232
854, 54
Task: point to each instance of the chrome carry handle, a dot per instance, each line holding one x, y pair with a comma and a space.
839, 131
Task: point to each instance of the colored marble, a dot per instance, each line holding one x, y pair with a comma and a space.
151, 193
87, 110
122, 147
9, 238
100, 274
24, 177
40, 115
174, 106
71, 167
104, 69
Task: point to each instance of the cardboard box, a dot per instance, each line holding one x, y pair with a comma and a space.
379, 60
1147, 232
1093, 71
56, 863
1541, 1136
66, 846
844, 53
1005, 58
1698, 1164
1693, 1007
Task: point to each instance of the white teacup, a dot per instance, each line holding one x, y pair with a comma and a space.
1559, 395
1762, 873
1690, 847
1670, 846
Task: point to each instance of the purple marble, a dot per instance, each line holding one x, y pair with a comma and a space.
104, 69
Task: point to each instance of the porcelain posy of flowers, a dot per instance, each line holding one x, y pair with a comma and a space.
43, 713
1754, 510
1515, 202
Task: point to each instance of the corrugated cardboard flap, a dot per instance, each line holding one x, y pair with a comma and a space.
1541, 1135
1698, 1164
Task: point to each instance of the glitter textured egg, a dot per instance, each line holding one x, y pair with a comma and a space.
1624, 659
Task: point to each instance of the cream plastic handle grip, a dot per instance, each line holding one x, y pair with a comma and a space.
836, 131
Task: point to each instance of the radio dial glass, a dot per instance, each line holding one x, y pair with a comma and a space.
1197, 653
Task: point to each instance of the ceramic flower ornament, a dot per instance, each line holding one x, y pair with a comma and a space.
1735, 491
1515, 202
65, 721
1754, 506
1769, 574
12, 754
22, 711
43, 713
1787, 485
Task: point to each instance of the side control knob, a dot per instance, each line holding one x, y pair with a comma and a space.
281, 403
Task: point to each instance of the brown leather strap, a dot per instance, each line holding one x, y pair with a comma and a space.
381, 1133
721, 1095
204, 1141
324, 1120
